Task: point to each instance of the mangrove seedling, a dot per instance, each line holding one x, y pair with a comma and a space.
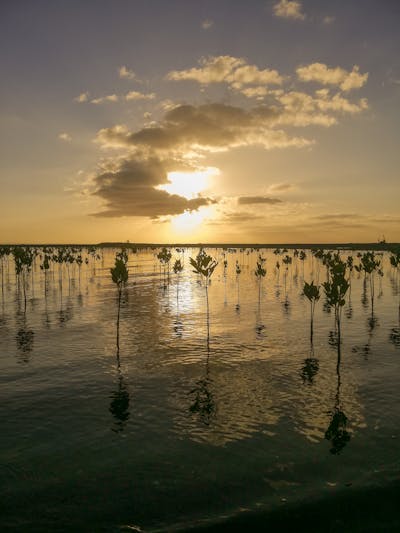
238, 271
204, 265
164, 257
23, 258
336, 288
177, 268
311, 292
119, 275
369, 265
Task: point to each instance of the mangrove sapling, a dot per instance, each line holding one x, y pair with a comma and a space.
260, 273
311, 291
395, 263
119, 275
45, 266
225, 278
238, 271
177, 268
287, 260
335, 289
302, 257
4, 253
23, 258
79, 262
369, 265
164, 257
204, 265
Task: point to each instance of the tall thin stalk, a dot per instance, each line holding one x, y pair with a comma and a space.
119, 276
204, 265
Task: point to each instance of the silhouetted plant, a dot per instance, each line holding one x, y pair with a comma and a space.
119, 275
204, 265
23, 258
164, 257
45, 266
369, 265
395, 263
336, 288
260, 273
225, 277
4, 253
311, 292
177, 268
302, 257
287, 260
238, 271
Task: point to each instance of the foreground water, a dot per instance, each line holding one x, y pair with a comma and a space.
174, 431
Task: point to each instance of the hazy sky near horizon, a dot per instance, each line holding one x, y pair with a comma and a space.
199, 121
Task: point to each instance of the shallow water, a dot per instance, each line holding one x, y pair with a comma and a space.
173, 430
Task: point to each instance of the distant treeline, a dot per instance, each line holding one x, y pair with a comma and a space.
375, 246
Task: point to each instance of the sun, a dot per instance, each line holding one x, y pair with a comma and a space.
189, 221
189, 184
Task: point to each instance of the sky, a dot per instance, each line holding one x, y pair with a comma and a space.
199, 121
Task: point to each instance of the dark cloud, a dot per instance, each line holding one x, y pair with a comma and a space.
206, 127
130, 190
247, 200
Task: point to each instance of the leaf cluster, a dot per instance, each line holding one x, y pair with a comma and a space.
120, 273
260, 271
178, 267
369, 264
337, 286
203, 264
311, 291
164, 256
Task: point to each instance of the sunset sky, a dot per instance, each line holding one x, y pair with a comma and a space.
199, 121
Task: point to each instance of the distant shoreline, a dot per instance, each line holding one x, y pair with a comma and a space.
380, 246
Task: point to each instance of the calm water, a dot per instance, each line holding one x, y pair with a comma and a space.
172, 432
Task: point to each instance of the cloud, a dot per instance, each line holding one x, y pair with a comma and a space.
207, 24
205, 128
255, 92
125, 73
321, 73
105, 99
289, 9
136, 95
250, 200
281, 187
340, 216
65, 137
132, 184
130, 189
235, 218
83, 97
227, 69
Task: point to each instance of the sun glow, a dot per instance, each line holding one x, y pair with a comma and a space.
187, 221
189, 184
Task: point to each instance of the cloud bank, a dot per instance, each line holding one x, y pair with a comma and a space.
129, 183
